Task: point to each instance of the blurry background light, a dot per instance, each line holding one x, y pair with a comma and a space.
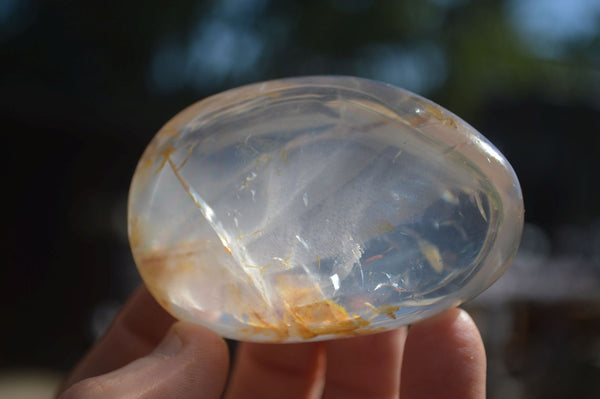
420, 68
549, 27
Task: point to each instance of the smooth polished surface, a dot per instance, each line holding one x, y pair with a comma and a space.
319, 207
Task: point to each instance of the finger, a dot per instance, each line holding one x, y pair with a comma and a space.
190, 362
134, 333
365, 367
444, 357
277, 371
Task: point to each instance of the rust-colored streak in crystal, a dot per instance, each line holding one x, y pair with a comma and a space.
160, 267
373, 258
185, 185
387, 310
166, 157
135, 233
187, 157
306, 315
309, 321
440, 115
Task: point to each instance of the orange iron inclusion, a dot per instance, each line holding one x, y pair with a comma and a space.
319, 207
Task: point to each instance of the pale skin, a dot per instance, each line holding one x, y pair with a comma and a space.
148, 354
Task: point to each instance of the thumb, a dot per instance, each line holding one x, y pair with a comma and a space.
191, 361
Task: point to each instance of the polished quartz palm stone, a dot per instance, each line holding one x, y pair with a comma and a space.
319, 207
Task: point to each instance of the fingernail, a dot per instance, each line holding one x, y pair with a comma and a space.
170, 345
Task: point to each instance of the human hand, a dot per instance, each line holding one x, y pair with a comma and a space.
147, 354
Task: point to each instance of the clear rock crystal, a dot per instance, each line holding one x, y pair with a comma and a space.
319, 207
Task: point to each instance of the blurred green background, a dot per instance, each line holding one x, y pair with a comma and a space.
84, 85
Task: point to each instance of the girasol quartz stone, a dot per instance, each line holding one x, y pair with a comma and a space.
319, 207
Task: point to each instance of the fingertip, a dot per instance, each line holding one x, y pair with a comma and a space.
462, 332
262, 370
444, 355
455, 326
365, 367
